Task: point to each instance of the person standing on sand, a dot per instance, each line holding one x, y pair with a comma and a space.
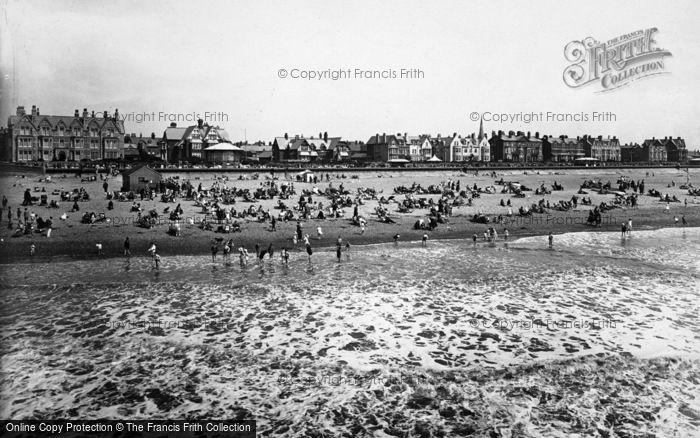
505, 234
347, 250
156, 259
225, 252
152, 249
551, 240
214, 250
270, 251
127, 247
273, 223
623, 228
32, 249
425, 239
685, 222
319, 231
629, 227
285, 256
309, 251
339, 248
396, 239
474, 237
98, 245
299, 231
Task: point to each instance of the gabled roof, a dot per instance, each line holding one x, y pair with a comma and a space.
67, 121
382, 139
174, 133
281, 142
333, 142
140, 167
296, 143
652, 142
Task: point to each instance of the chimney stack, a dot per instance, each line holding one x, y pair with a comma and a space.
77, 113
537, 135
20, 111
104, 113
85, 113
37, 111
93, 114
33, 110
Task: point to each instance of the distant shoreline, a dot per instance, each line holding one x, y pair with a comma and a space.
16, 250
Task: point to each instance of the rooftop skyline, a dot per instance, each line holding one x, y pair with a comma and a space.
483, 57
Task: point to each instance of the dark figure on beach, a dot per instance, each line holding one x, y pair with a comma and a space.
299, 231
4, 201
474, 238
623, 228
684, 221
396, 239
309, 251
127, 247
551, 240
270, 251
214, 250
156, 259
105, 186
257, 250
273, 222
110, 205
339, 248
27, 198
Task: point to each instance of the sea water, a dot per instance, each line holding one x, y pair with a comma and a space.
594, 334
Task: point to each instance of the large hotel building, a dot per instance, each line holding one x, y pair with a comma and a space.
36, 137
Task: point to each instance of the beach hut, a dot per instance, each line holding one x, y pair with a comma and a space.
305, 176
140, 177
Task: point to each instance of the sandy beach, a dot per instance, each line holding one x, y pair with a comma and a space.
72, 239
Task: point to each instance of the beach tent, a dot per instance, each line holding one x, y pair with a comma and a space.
305, 176
434, 159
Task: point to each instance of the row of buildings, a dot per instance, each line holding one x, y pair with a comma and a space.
31, 136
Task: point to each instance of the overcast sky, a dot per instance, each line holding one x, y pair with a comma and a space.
224, 56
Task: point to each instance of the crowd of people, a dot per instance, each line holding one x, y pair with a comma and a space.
226, 208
